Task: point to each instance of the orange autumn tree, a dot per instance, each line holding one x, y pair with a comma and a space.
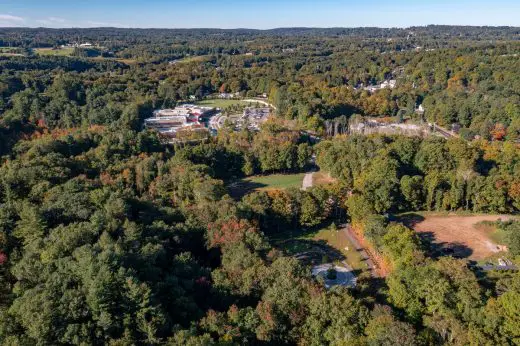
225, 233
514, 193
499, 132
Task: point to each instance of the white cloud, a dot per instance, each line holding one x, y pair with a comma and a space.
10, 20
52, 21
57, 20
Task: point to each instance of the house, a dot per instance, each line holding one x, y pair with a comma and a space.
455, 127
372, 88
225, 96
388, 84
169, 121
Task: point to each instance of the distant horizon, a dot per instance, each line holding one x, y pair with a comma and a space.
260, 29
265, 15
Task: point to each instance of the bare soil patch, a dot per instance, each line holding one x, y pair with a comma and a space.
457, 235
322, 178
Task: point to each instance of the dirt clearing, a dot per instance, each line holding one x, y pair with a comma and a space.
456, 234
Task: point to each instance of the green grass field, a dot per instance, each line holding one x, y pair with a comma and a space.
55, 52
496, 234
8, 51
265, 183
10, 54
294, 242
124, 61
190, 59
220, 103
277, 181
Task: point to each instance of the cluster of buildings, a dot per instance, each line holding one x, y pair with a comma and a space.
169, 121
78, 45
228, 96
387, 84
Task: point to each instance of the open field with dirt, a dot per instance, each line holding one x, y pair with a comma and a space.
322, 178
457, 235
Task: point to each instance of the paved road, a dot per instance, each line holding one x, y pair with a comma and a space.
444, 132
265, 103
307, 181
364, 255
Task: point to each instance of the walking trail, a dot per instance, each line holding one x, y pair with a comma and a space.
359, 248
307, 181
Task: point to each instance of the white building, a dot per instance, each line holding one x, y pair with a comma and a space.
387, 84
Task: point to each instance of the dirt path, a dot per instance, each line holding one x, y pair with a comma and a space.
460, 231
307, 181
364, 255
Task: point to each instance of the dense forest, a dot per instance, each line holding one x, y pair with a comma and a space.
109, 235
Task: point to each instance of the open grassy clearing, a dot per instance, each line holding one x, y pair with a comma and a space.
55, 52
222, 103
466, 235
265, 183
338, 240
121, 60
10, 54
497, 235
190, 59
278, 181
330, 244
8, 51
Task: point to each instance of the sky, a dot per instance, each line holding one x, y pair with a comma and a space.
259, 14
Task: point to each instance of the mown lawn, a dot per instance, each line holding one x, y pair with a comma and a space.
496, 234
295, 242
221, 103
8, 51
278, 181
244, 186
56, 52
338, 240
197, 58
